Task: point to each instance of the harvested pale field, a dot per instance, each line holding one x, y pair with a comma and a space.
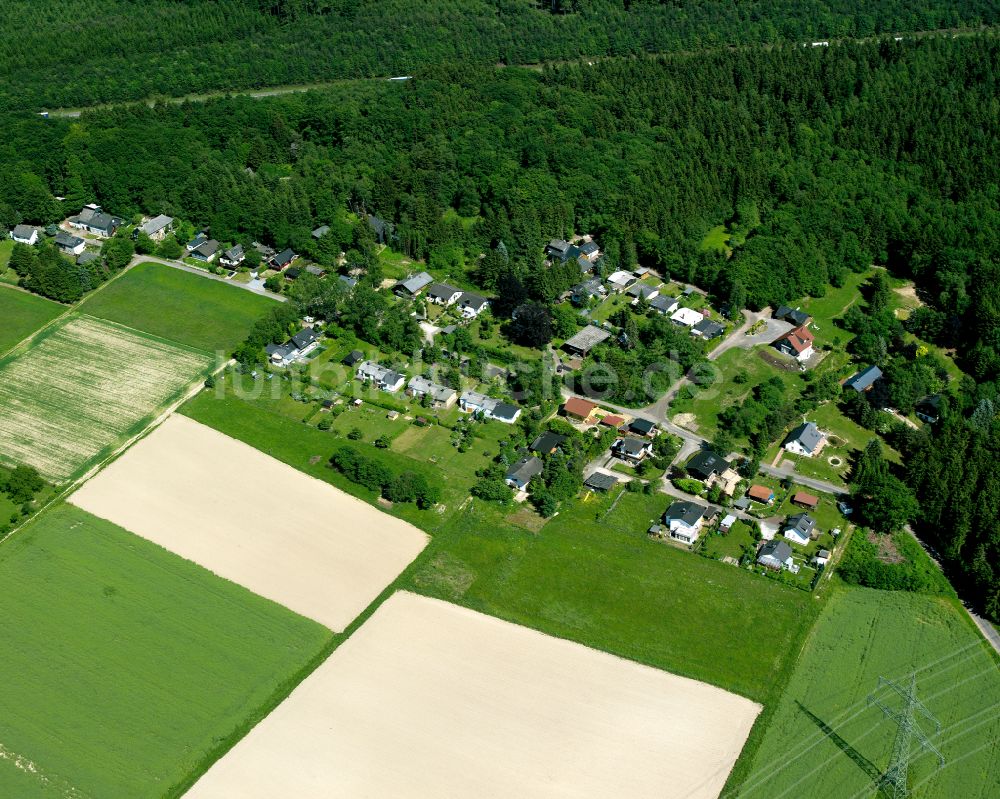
428, 699
254, 520
82, 387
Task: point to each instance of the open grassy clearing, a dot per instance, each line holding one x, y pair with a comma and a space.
716, 239
424, 685
830, 307
124, 666
21, 314
179, 306
863, 634
83, 386
317, 551
588, 575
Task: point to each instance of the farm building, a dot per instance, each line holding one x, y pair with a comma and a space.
585, 340
806, 440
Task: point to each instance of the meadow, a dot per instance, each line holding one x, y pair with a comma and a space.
82, 387
824, 742
157, 663
22, 315
179, 306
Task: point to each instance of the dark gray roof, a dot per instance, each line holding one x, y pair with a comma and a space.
589, 248
547, 442
67, 241
86, 257
321, 231
708, 329
441, 291
525, 469
706, 463
807, 435
283, 258
600, 481
793, 315
304, 338
802, 523
23, 231
312, 269
640, 290
504, 410
350, 282
742, 503
472, 300
774, 551
353, 357
663, 303
864, 379
688, 512
234, 253
557, 246
207, 249
631, 446
587, 339
644, 426
414, 283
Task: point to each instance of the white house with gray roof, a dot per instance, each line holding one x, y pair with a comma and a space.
806, 440
25, 234
382, 376
472, 304
799, 528
684, 520
157, 227
441, 396
775, 555
443, 294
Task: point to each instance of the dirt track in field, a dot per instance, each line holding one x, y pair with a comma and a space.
429, 699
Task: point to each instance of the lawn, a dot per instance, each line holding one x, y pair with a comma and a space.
832, 305
716, 239
22, 315
177, 305
82, 387
824, 742
593, 576
126, 669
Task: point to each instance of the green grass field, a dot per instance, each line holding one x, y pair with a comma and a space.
823, 742
831, 306
125, 667
22, 314
177, 305
82, 387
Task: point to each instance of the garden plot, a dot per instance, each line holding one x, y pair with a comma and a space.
428, 699
82, 387
254, 520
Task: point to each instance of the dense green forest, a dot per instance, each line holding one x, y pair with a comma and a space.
62, 53
830, 159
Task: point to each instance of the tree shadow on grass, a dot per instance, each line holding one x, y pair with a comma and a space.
859, 759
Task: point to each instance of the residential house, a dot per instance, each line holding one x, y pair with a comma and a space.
929, 409
706, 464
71, 245
822, 557
292, 273
793, 315
85, 258
196, 242
383, 377
25, 234
582, 292
642, 427
664, 304
206, 251
620, 280
321, 231
488, 407
157, 227
707, 329
266, 253
296, 348
799, 528
761, 494
283, 259
281, 354
641, 291
864, 380
632, 450
805, 500
232, 257
686, 317
599, 481
316, 271
385, 232
684, 520
579, 408
441, 396
727, 523
349, 282
582, 342
806, 440
471, 304
612, 420
558, 248
590, 250
547, 443
775, 555
413, 285
504, 412
797, 343
519, 474
94, 220
443, 294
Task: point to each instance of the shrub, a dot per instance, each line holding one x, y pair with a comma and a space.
688, 485
355, 434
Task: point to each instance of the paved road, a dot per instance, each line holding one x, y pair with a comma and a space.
138, 259
788, 471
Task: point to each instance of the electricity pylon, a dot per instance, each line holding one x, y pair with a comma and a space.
893, 782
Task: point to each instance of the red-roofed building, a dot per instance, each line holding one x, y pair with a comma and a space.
612, 420
805, 500
760, 493
798, 343
579, 408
